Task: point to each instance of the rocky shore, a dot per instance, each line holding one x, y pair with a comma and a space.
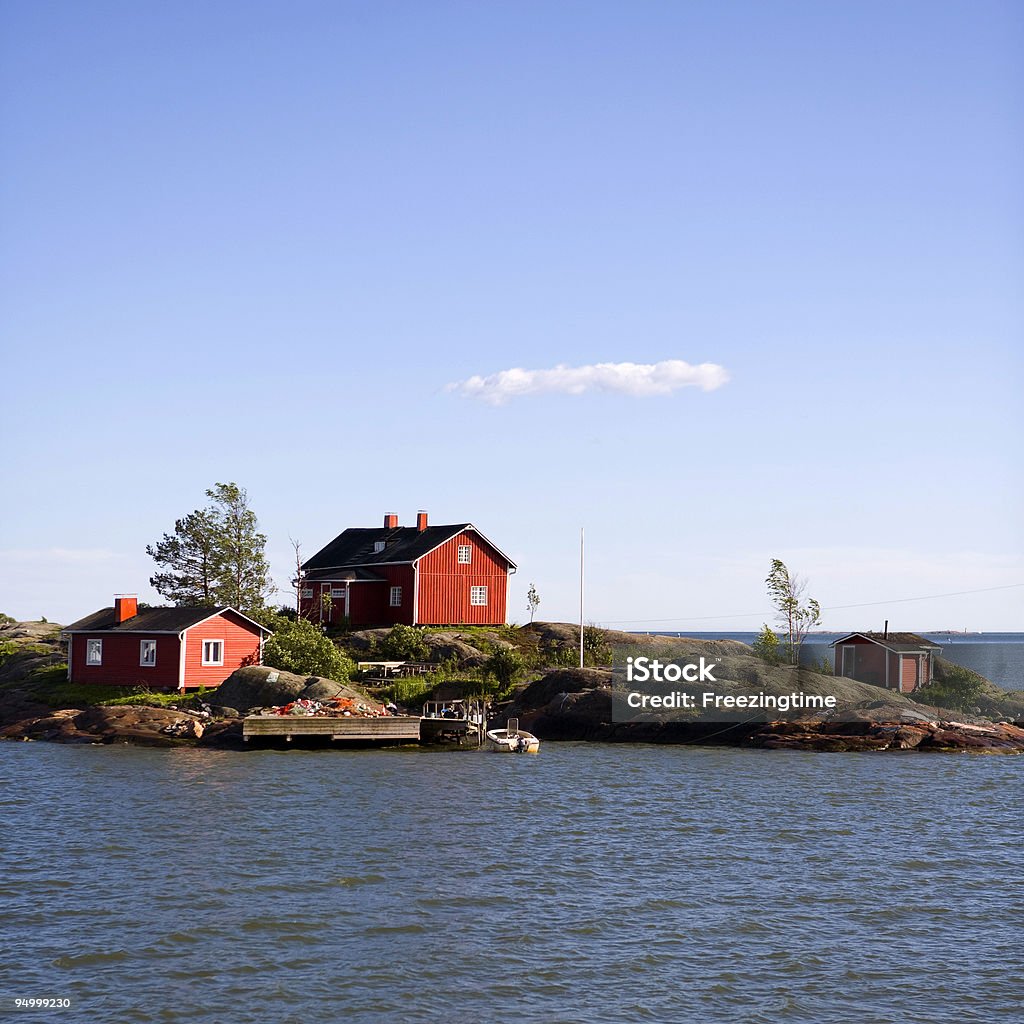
555, 704
577, 704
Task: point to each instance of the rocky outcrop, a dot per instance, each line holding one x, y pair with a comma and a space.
575, 704
158, 727
258, 687
864, 732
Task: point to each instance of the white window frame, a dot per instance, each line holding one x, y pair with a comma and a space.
207, 660
94, 652
395, 599
465, 555
307, 593
337, 592
379, 546
144, 646
478, 597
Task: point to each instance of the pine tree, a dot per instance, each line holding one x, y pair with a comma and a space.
215, 555
190, 558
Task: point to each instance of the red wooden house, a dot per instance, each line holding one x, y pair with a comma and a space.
162, 648
898, 661
416, 575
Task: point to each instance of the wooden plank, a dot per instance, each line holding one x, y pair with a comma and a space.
393, 728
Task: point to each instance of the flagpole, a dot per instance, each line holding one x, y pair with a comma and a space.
581, 597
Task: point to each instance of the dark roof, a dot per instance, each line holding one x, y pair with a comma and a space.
404, 544
899, 642
344, 575
149, 620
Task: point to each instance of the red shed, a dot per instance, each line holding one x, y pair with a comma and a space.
416, 575
162, 648
898, 661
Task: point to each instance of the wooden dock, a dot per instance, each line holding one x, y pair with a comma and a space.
395, 729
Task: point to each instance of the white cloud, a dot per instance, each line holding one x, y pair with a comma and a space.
640, 380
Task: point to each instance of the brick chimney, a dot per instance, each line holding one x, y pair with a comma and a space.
390, 521
126, 606
421, 520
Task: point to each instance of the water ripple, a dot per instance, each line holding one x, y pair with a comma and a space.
590, 884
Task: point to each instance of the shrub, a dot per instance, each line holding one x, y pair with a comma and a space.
596, 649
503, 666
301, 646
404, 643
767, 647
959, 689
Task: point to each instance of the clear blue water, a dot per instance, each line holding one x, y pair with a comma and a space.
592, 883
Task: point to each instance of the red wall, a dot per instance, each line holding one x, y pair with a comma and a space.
445, 583
872, 659
241, 646
121, 661
369, 601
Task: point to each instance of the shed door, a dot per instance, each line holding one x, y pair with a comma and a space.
908, 674
849, 660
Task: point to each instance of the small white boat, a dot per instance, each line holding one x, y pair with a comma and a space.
511, 740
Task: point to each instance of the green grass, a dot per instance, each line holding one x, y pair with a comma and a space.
159, 700
51, 686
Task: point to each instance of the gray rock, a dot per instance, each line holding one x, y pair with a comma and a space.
258, 687
322, 689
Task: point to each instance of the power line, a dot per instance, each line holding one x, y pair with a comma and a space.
830, 608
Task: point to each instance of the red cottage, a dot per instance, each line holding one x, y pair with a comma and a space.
898, 661
416, 575
162, 648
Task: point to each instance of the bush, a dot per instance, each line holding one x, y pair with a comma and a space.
302, 647
596, 649
959, 689
767, 646
404, 643
503, 666
6, 620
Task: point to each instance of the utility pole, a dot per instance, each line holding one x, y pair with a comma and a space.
581, 597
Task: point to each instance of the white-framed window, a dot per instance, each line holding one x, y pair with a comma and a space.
213, 652
378, 546
94, 652
147, 653
465, 554
478, 596
307, 592
396, 597
337, 591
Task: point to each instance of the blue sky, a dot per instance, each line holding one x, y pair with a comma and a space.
257, 242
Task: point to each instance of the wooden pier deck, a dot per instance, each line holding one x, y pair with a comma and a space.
401, 729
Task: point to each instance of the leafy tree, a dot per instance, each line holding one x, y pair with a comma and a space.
301, 646
766, 646
532, 601
215, 556
787, 592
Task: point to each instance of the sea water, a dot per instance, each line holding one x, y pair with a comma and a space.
592, 883
999, 657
